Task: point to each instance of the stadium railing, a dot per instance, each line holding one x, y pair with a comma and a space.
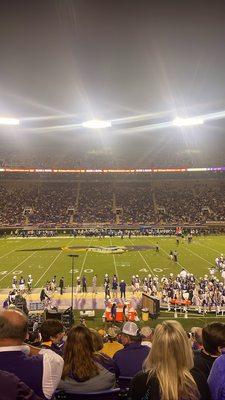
124, 382
112, 394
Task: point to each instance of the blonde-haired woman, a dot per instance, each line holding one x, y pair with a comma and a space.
167, 369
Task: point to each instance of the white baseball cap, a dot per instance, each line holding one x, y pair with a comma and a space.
146, 331
130, 328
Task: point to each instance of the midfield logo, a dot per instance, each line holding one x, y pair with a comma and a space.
95, 249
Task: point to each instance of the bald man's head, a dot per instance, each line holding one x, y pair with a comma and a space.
13, 326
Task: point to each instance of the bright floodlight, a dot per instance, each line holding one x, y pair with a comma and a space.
9, 121
96, 124
188, 121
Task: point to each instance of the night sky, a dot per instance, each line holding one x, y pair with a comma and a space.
111, 58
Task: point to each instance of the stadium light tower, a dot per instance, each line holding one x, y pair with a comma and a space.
178, 121
96, 124
9, 121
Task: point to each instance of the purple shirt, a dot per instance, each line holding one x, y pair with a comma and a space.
14, 389
129, 360
216, 379
28, 369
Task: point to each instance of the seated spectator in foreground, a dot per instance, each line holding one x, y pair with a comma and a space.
52, 332
34, 338
12, 388
167, 369
129, 360
84, 370
213, 338
40, 369
112, 345
196, 337
216, 379
146, 335
97, 340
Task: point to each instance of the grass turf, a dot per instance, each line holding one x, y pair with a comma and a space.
196, 257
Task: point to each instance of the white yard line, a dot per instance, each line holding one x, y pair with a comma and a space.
181, 266
84, 260
114, 260
141, 255
211, 248
3, 245
12, 251
18, 265
197, 255
50, 265
54, 260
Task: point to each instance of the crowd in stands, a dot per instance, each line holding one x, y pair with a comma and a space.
158, 364
95, 203
52, 203
12, 203
196, 203
137, 202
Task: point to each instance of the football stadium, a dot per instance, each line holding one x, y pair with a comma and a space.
112, 200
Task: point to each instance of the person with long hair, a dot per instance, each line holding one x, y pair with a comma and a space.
167, 369
85, 370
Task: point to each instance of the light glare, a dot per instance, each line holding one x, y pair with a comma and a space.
96, 124
9, 121
188, 121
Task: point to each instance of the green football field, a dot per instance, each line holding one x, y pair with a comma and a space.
196, 257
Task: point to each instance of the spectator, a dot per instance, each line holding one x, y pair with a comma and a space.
39, 369
12, 388
213, 338
52, 332
102, 333
112, 345
196, 336
43, 295
84, 370
130, 359
167, 368
146, 334
216, 379
97, 340
34, 338
21, 303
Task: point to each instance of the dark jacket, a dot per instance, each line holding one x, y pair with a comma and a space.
203, 362
129, 360
143, 390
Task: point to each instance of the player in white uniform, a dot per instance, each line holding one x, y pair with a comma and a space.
137, 283
78, 288
183, 274
22, 284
